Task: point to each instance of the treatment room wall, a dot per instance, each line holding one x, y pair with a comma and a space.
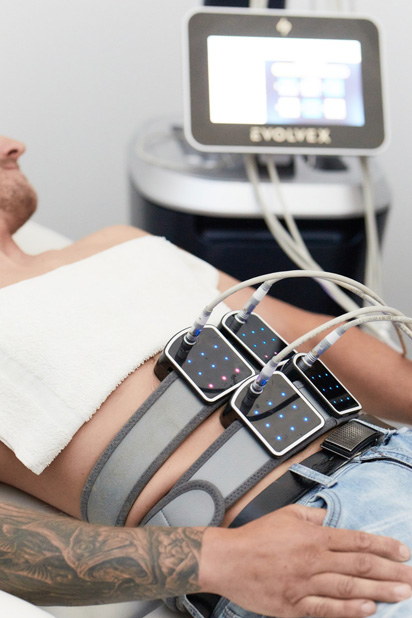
77, 79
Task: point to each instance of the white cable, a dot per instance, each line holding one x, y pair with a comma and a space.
400, 319
257, 296
327, 342
285, 242
289, 219
342, 299
264, 288
295, 248
373, 274
359, 288
391, 314
300, 256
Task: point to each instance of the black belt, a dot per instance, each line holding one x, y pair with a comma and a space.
341, 445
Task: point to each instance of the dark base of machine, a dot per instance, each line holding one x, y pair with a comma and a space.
245, 248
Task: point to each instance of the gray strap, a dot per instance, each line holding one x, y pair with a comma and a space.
139, 449
232, 465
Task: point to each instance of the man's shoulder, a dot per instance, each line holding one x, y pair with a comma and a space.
108, 237
96, 242
114, 235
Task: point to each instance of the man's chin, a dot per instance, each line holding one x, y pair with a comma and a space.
18, 199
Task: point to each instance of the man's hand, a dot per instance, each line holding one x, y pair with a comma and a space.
288, 565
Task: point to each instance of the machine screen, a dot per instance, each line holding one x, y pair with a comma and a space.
278, 81
274, 81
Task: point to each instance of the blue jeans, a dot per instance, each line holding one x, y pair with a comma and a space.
372, 493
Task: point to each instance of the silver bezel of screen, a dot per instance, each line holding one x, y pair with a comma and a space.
285, 104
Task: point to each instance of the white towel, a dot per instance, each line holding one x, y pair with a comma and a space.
69, 337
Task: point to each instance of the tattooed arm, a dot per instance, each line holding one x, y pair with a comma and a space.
56, 560
284, 564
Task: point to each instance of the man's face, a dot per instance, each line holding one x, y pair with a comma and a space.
18, 200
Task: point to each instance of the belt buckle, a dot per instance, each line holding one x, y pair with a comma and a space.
351, 439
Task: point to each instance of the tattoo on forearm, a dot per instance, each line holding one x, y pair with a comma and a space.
52, 560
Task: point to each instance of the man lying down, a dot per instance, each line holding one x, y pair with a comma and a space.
82, 327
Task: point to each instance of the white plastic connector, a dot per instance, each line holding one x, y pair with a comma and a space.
311, 357
253, 301
192, 335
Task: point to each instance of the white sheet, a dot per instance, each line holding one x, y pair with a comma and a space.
71, 336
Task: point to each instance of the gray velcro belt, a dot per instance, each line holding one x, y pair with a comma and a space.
143, 444
231, 466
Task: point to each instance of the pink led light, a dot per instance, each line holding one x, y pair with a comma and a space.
224, 378
237, 370
210, 385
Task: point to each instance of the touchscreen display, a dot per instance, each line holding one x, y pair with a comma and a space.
275, 81
266, 80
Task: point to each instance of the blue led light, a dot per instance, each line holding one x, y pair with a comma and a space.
253, 332
267, 425
256, 412
295, 407
278, 438
216, 346
305, 418
226, 358
213, 366
281, 416
199, 373
202, 354
270, 403
292, 428
262, 328
283, 394
188, 361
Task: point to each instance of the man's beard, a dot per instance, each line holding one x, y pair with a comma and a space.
18, 199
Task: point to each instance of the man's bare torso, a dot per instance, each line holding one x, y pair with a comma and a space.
62, 482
